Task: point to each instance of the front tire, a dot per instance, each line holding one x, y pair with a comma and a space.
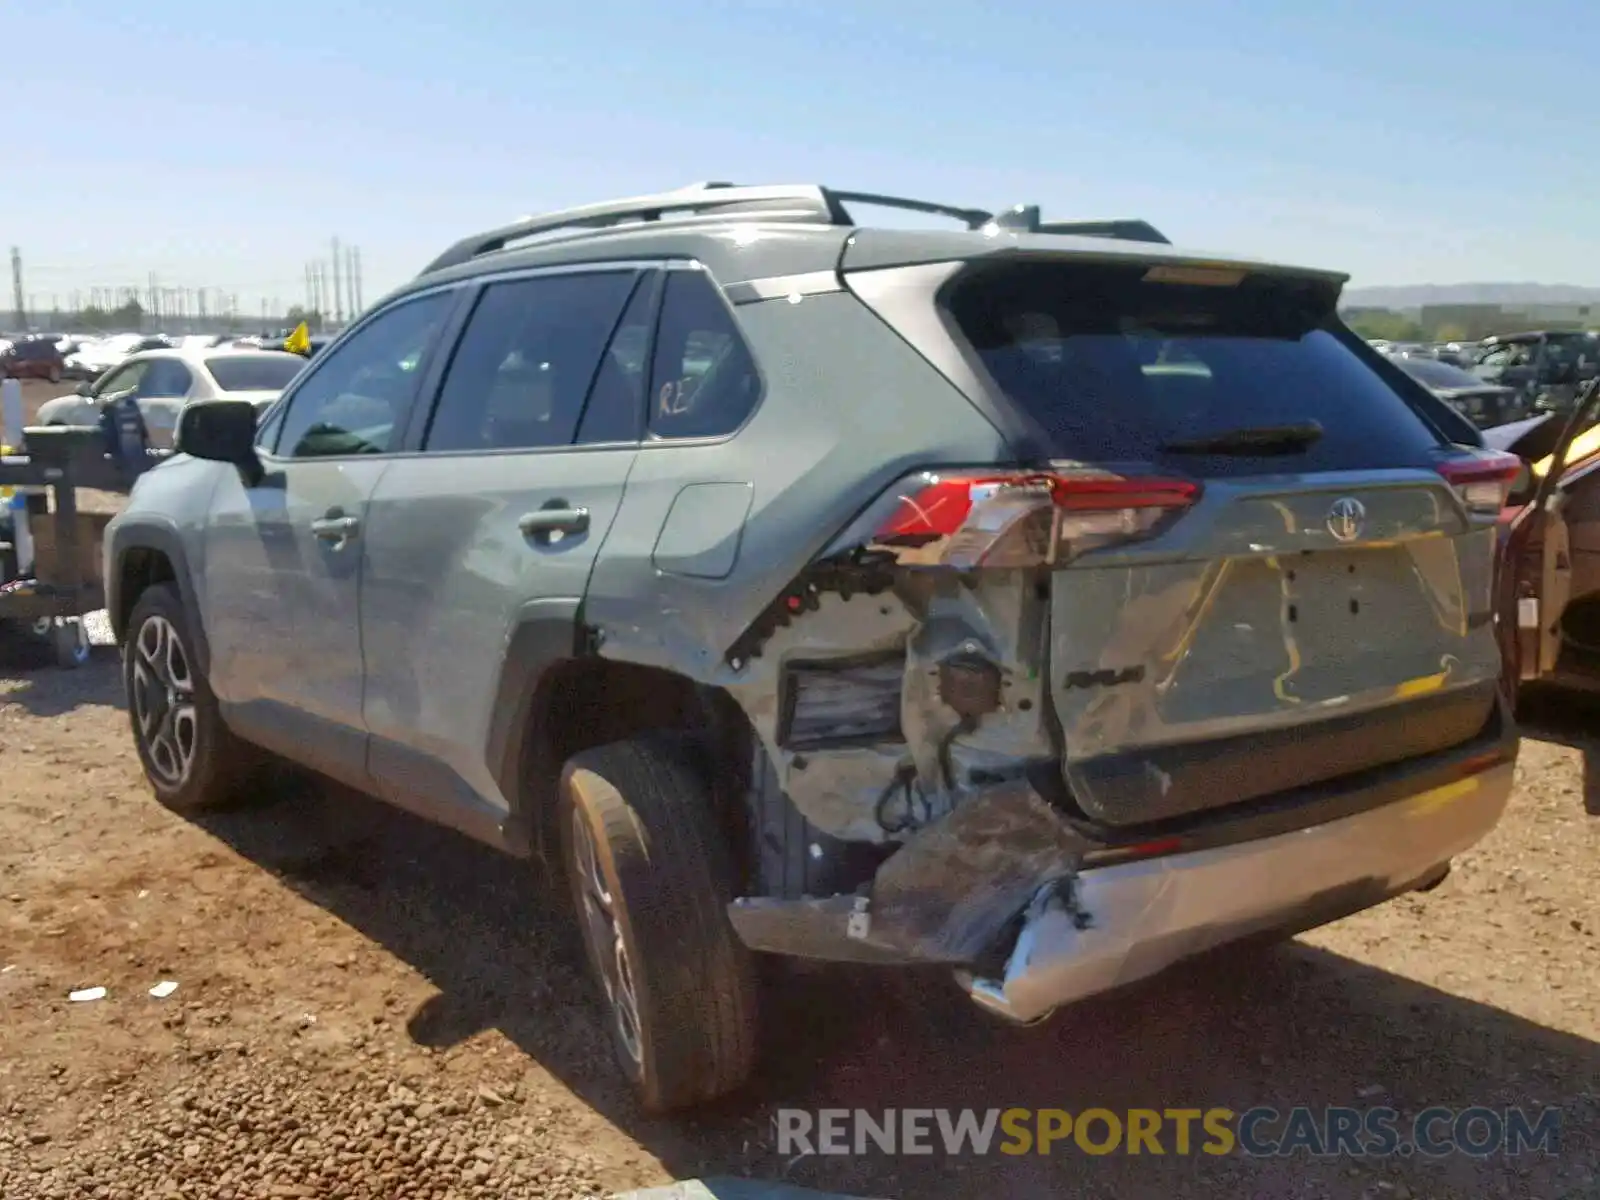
191, 758
651, 878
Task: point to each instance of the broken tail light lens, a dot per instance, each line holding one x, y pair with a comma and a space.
972, 520
1483, 479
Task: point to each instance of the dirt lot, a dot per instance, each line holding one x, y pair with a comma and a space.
368, 1007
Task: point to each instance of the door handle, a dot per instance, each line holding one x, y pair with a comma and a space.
335, 529
554, 520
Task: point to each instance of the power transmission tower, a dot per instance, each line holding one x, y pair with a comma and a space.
16, 289
338, 295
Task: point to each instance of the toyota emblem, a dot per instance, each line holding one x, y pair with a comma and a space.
1347, 519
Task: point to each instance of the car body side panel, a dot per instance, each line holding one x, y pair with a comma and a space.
449, 570
282, 607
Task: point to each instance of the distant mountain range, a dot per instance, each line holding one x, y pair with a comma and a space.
1509, 295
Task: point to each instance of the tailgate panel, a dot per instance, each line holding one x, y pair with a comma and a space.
1243, 654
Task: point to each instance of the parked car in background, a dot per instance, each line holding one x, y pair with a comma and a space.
1546, 366
98, 357
1550, 589
164, 381
1484, 404
32, 358
201, 341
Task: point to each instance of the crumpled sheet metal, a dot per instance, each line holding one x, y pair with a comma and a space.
950, 891
942, 898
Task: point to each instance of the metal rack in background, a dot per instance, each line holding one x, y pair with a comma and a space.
67, 579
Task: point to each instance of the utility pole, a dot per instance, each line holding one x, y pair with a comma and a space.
338, 296
352, 279
16, 289
361, 289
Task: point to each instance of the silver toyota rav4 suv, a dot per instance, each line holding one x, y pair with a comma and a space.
1032, 599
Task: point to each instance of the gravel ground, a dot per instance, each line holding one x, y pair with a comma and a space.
368, 1007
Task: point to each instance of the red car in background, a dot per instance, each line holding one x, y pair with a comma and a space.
1549, 585
32, 358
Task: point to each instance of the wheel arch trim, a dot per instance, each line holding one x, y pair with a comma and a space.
544, 635
122, 539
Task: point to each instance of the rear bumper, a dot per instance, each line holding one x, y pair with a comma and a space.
1112, 925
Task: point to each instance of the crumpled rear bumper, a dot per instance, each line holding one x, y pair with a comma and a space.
1033, 914
1147, 915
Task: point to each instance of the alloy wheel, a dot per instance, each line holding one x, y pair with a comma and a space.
162, 695
603, 933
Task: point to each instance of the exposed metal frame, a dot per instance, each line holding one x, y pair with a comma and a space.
807, 203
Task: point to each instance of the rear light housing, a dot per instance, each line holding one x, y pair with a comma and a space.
972, 520
1482, 479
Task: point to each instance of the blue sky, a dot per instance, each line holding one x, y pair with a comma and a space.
1403, 143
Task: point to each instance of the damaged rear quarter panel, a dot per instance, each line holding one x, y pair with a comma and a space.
885, 791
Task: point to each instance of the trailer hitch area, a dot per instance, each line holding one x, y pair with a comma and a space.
946, 897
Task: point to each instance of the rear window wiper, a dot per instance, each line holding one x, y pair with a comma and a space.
1260, 439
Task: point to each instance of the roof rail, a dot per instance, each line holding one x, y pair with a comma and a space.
807, 203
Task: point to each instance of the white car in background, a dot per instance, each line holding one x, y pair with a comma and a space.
97, 355
163, 381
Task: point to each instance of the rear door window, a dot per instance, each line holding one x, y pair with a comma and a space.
1117, 369
525, 364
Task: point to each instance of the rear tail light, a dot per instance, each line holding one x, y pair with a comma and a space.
970, 519
1483, 479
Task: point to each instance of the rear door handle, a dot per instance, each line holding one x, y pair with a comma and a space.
554, 520
335, 529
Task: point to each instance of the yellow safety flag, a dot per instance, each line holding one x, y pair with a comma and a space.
298, 342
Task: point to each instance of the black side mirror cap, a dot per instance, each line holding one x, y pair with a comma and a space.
86, 388
221, 431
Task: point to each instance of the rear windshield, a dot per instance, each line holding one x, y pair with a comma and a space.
249, 373
1114, 368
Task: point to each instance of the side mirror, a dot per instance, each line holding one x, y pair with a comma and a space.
86, 388
221, 431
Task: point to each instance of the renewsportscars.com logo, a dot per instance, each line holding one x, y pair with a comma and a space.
1262, 1132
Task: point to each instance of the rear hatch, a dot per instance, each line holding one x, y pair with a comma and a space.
1313, 597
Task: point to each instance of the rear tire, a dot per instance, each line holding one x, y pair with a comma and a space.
191, 758
650, 877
